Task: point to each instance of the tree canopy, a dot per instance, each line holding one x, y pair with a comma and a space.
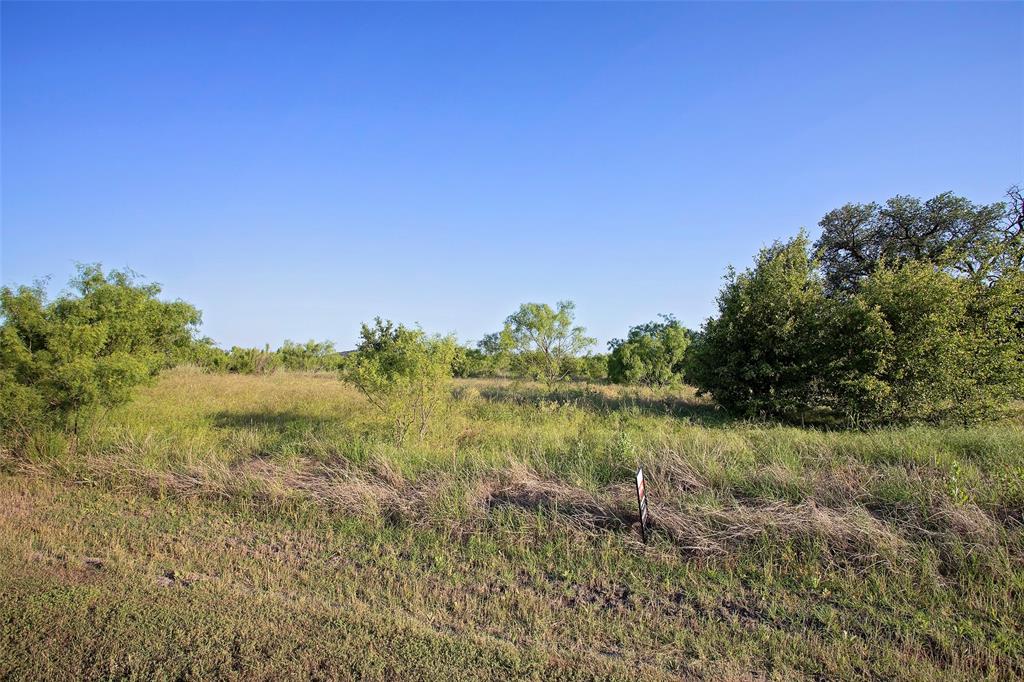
543, 339
979, 241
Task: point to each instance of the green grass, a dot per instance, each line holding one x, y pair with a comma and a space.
266, 528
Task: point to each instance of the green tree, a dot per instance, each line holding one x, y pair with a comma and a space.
972, 240
491, 356
543, 341
653, 354
86, 349
403, 373
914, 343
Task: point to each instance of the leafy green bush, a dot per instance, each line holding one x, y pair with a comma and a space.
403, 373
472, 362
312, 356
204, 354
653, 354
241, 360
761, 355
489, 359
61, 360
946, 350
589, 367
913, 343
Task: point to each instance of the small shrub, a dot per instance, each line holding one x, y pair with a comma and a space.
403, 373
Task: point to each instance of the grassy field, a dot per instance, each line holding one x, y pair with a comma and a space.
265, 528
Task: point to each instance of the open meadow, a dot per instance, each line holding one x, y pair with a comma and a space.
511, 341
267, 527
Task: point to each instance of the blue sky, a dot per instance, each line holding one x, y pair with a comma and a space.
294, 169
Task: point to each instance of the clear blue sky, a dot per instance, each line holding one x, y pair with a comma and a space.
293, 169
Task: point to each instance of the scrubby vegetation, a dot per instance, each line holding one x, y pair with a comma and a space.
62, 360
841, 496
403, 373
654, 354
912, 313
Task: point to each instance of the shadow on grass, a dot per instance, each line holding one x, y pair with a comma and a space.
577, 509
287, 421
598, 398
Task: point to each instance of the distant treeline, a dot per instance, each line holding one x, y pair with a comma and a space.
469, 361
312, 356
905, 311
652, 354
